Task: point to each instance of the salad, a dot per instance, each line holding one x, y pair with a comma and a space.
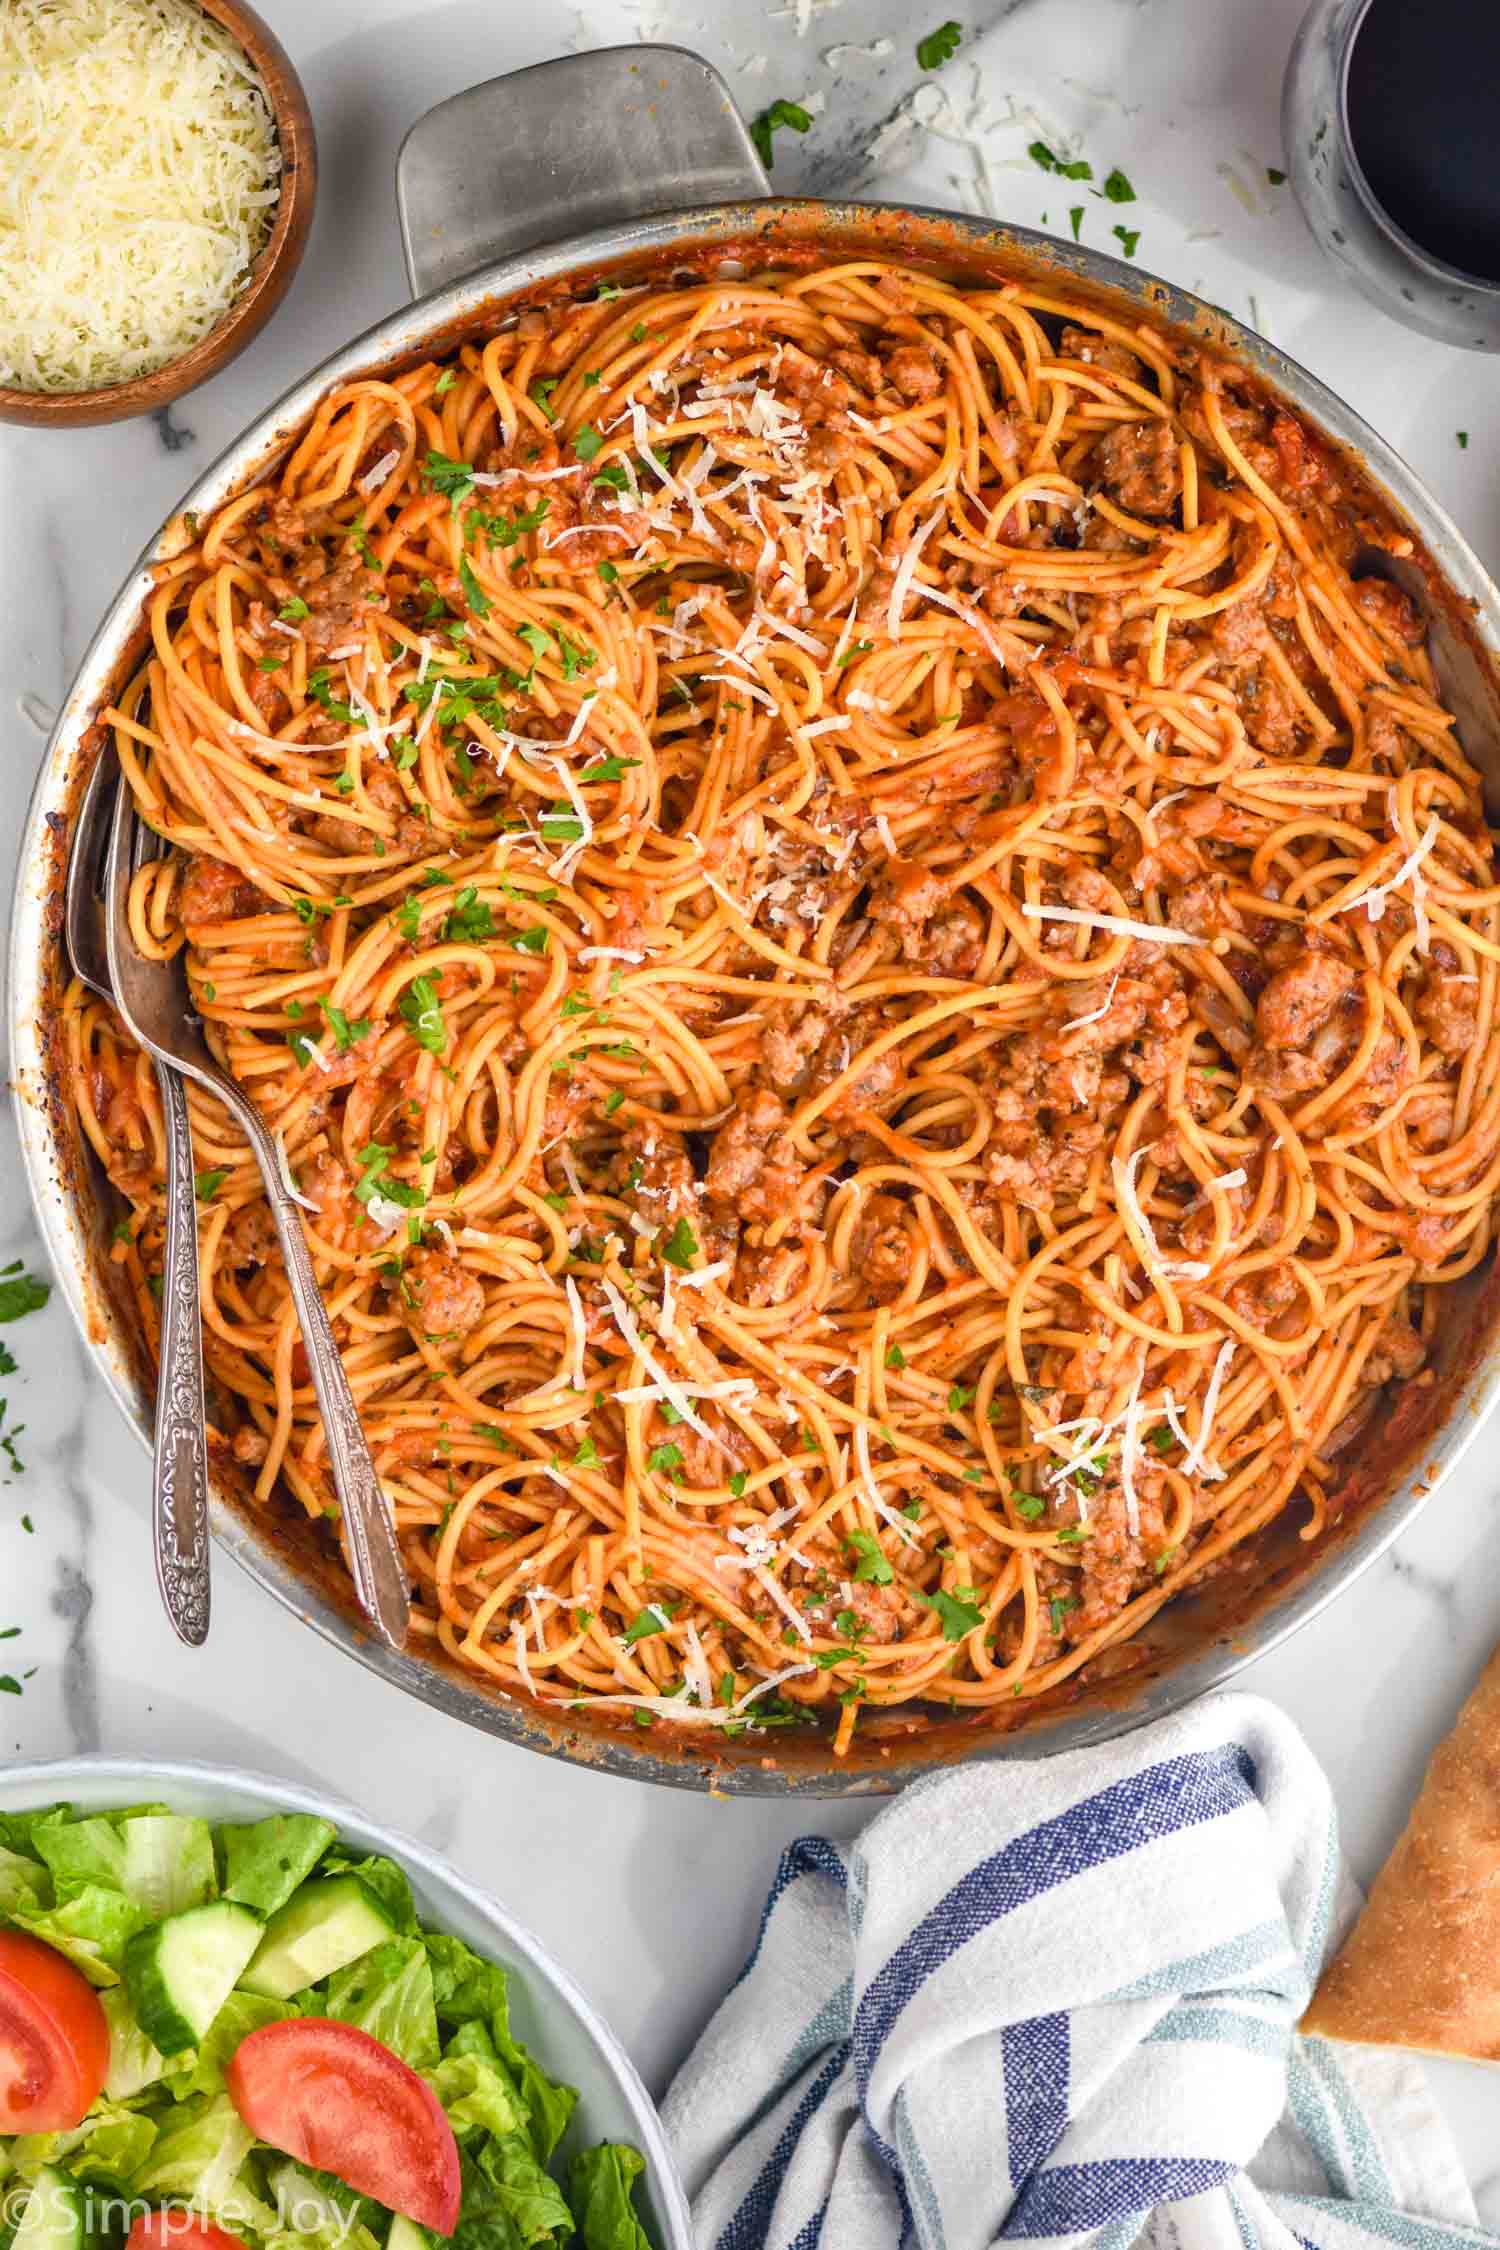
239, 2036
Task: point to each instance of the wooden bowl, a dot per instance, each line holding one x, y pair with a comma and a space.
270, 275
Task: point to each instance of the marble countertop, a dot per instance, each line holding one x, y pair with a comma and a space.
649, 1895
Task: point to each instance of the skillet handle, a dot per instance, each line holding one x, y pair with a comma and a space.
586, 141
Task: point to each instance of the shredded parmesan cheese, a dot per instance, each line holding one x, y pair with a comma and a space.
141, 176
1119, 925
283, 1166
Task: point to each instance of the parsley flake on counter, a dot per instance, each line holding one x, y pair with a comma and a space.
1463, 439
1075, 168
1075, 220
939, 46
1117, 189
1128, 238
1275, 175
22, 1293
779, 113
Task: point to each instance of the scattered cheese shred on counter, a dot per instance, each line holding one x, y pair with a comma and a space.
138, 177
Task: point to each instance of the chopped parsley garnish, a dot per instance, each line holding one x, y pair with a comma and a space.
206, 1185
406, 752
409, 917
655, 1618
609, 769
320, 688
1078, 169
470, 920
375, 1180
542, 391
530, 941
737, 1484
1117, 189
361, 540
293, 612
454, 479
345, 1031
1128, 237
615, 475
939, 46
662, 1459
780, 113
872, 1567
474, 594
959, 1397
445, 382
956, 1612
538, 641
1028, 1506
1161, 1438
587, 1456
1058, 1609
270, 663
587, 441
422, 1012
895, 1358
576, 656
680, 1247
860, 648
608, 571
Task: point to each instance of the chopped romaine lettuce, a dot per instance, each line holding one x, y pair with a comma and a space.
202, 2144
265, 1860
24, 1883
201, 2070
134, 2063
389, 1994
92, 1928
509, 2199
474, 2090
599, 2184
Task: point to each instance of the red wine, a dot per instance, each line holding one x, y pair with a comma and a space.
1422, 121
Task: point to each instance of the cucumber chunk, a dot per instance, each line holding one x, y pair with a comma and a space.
405, 2234
53, 2217
180, 1973
329, 1923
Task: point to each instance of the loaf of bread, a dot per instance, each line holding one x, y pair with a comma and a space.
1421, 1967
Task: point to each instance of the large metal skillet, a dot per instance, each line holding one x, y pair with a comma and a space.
620, 165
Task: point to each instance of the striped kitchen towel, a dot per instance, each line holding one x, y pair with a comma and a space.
1055, 2002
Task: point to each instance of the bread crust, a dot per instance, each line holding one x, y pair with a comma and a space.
1421, 1967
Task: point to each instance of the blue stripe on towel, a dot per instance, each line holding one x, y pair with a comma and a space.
1074, 2198
809, 1855
1182, 1793
1035, 2059
747, 2229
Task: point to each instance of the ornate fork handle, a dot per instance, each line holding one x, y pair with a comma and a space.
179, 1499
374, 1557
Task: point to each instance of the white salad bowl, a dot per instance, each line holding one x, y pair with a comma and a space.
548, 2011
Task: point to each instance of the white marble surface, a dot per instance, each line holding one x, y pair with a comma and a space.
648, 1895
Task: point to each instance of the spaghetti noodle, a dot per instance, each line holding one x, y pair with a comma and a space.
876, 970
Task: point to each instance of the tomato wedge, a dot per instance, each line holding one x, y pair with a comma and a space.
178, 2228
330, 2095
54, 2041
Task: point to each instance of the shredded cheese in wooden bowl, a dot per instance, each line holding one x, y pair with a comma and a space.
139, 176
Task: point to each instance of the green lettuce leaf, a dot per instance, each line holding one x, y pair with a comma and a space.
92, 1928
389, 1994
474, 2090
24, 1883
265, 1860
201, 2070
472, 1993
315, 2207
169, 1862
18, 1830
134, 2063
81, 1853
599, 2185
508, 2200
200, 2147
110, 2144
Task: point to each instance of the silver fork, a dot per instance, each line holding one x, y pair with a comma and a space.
179, 1480
153, 1002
